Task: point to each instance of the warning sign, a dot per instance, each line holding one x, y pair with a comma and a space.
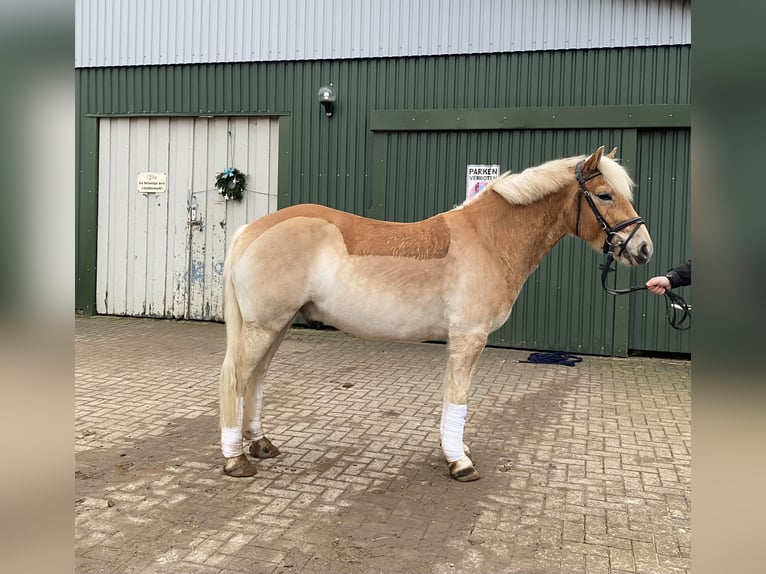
478, 176
151, 182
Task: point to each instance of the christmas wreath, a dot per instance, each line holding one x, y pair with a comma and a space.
231, 183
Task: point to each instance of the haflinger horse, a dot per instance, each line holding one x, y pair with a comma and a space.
453, 277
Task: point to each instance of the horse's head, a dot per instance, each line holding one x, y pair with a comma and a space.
603, 213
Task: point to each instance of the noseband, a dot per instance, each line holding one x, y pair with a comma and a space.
677, 310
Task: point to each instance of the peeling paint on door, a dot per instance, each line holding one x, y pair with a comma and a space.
162, 254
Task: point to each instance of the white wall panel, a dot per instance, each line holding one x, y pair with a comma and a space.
157, 221
152, 260
143, 32
137, 231
177, 270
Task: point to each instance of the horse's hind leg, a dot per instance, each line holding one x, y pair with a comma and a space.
254, 346
260, 447
464, 352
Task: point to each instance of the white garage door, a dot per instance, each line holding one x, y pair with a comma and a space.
160, 254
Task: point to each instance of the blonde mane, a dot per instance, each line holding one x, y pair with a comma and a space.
536, 182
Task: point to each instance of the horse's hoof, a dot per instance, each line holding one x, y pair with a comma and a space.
239, 467
463, 470
262, 448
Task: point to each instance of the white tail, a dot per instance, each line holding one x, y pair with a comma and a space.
232, 316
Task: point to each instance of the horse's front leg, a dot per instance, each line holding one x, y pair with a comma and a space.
464, 352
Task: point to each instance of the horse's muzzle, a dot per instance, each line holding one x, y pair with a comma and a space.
636, 249
644, 253
640, 252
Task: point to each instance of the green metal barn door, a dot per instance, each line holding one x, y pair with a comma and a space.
663, 197
562, 305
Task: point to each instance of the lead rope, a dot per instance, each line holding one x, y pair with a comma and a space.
677, 310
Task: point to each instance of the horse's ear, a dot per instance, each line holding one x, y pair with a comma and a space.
591, 163
612, 153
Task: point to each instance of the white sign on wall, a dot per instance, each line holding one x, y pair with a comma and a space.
478, 176
151, 182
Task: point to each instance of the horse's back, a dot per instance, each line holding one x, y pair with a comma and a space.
428, 239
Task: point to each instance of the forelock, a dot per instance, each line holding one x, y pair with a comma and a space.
616, 176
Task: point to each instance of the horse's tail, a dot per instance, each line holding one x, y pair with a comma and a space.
232, 316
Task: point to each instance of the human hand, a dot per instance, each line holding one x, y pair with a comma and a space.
658, 285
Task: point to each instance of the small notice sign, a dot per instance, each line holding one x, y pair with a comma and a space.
151, 182
478, 176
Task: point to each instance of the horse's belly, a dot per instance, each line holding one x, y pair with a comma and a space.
404, 324
378, 298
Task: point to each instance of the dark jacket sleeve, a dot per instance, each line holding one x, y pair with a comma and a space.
682, 275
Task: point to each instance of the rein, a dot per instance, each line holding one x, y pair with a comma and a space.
677, 310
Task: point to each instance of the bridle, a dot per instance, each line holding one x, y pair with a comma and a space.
611, 232
674, 303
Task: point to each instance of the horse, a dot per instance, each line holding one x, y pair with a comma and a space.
453, 277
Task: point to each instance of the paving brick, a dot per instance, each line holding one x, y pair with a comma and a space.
585, 470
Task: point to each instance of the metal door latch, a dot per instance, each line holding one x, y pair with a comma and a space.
195, 219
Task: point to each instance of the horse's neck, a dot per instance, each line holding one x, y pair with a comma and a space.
520, 235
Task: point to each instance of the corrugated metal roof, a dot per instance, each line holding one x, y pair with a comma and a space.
153, 32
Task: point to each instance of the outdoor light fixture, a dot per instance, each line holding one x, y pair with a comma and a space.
327, 99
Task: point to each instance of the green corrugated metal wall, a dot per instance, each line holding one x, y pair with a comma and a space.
664, 199
329, 161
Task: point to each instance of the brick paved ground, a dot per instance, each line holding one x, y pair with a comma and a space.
585, 469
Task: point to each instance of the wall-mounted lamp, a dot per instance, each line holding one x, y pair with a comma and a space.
327, 99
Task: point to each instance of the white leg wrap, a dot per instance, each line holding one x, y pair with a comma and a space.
441, 425
453, 422
254, 430
231, 437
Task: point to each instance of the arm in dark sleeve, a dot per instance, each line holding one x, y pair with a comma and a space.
681, 276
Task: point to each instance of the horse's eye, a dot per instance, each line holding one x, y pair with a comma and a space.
605, 196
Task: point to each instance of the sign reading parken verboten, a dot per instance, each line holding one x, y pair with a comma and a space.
478, 176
